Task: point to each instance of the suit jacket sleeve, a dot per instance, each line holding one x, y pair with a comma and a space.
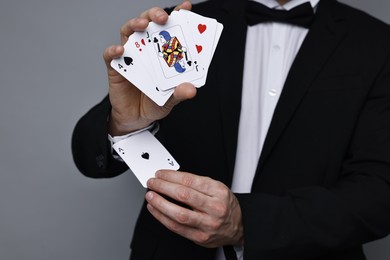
90, 146
92, 152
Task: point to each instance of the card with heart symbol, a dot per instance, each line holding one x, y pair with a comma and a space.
145, 155
206, 33
163, 56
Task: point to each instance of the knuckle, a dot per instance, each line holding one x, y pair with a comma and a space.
175, 227
225, 192
156, 184
187, 180
203, 238
222, 188
123, 29
215, 225
183, 194
222, 191
221, 210
205, 186
127, 27
208, 179
182, 217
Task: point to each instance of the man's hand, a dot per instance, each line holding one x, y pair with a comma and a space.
214, 218
131, 109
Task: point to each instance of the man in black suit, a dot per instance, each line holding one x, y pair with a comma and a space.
312, 181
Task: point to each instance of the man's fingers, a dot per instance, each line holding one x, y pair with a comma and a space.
180, 223
180, 214
201, 193
185, 5
131, 26
155, 14
190, 218
201, 184
187, 195
111, 53
215, 218
182, 92
139, 24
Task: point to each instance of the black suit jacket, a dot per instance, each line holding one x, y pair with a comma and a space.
322, 185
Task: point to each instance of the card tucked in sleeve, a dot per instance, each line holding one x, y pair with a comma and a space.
145, 155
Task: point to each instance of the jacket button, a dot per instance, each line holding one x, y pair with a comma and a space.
100, 161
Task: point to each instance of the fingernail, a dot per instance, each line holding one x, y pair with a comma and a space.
150, 207
159, 13
149, 196
149, 182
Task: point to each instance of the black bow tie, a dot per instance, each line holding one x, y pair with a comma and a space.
302, 15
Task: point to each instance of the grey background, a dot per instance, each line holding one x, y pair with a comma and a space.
51, 72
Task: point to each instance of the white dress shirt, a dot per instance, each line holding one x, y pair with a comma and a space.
269, 53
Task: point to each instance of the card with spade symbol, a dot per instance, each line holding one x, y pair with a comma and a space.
164, 56
131, 66
145, 155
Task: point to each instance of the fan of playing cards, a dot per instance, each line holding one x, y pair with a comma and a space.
164, 56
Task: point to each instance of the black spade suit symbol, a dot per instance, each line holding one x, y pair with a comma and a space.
128, 61
145, 156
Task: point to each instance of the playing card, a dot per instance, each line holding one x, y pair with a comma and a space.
200, 82
164, 56
173, 55
145, 155
206, 33
138, 42
132, 66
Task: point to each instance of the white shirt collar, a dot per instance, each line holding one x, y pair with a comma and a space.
293, 3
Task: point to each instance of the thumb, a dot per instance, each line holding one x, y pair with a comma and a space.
111, 53
182, 92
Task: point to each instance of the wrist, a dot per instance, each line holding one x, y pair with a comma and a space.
116, 127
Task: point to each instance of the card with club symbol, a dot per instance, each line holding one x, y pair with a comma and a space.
164, 56
145, 155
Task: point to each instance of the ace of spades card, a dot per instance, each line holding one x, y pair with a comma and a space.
173, 53
145, 155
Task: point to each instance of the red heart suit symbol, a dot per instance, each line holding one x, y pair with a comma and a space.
199, 48
202, 28
143, 43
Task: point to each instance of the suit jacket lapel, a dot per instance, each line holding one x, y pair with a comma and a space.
326, 32
230, 62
